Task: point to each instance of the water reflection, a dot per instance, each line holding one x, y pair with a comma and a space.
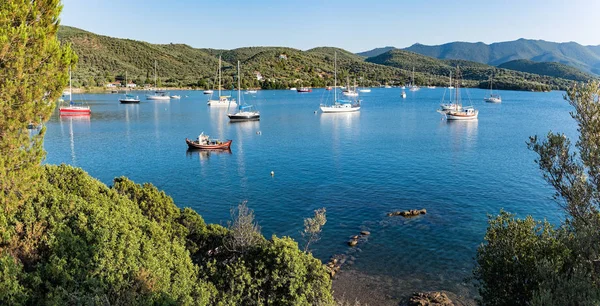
341, 126
80, 121
218, 119
462, 133
204, 155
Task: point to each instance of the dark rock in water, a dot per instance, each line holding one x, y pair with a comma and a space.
365, 233
408, 213
355, 237
429, 299
352, 242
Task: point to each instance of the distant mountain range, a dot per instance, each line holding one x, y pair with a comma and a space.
585, 58
375, 52
105, 59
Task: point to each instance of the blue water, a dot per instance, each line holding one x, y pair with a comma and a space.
394, 154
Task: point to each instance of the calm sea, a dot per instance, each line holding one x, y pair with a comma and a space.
395, 154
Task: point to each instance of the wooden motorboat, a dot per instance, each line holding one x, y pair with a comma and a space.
204, 142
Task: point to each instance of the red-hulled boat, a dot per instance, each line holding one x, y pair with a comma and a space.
304, 89
204, 142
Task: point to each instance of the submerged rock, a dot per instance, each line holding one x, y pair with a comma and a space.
352, 242
365, 233
430, 298
408, 213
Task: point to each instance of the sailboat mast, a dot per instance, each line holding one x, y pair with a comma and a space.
219, 75
155, 83
125, 81
239, 84
334, 76
70, 88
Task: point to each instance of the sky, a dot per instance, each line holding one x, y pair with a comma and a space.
352, 25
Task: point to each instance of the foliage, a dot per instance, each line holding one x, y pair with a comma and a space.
313, 227
513, 262
105, 59
528, 262
244, 233
434, 71
553, 69
34, 71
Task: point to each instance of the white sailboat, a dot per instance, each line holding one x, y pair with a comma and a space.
158, 94
403, 94
350, 91
128, 98
210, 91
223, 101
492, 98
244, 112
413, 86
339, 106
459, 112
448, 105
73, 109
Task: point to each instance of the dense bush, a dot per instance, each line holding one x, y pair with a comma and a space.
78, 241
530, 262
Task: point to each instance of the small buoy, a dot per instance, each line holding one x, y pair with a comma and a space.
315, 112
258, 133
272, 173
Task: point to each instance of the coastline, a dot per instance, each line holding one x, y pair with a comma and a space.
352, 286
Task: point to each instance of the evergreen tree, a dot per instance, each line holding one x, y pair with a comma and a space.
34, 68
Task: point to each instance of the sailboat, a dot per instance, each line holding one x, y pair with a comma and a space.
430, 86
459, 112
448, 105
209, 91
492, 98
158, 94
128, 98
413, 87
364, 89
223, 101
339, 106
73, 109
244, 112
350, 91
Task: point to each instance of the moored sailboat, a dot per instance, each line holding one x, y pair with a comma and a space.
223, 101
339, 106
244, 112
459, 112
158, 94
73, 109
492, 98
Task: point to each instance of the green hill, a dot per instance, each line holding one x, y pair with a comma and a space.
586, 58
105, 59
473, 73
375, 52
552, 69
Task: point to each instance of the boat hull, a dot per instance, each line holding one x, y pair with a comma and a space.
493, 100
364, 90
158, 98
238, 117
195, 145
208, 92
217, 103
333, 109
74, 111
461, 115
304, 90
129, 101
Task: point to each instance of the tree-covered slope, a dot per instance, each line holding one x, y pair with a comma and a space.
103, 59
552, 69
473, 73
375, 52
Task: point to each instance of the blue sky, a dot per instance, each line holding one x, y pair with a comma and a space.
353, 25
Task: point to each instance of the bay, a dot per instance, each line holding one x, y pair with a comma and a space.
395, 154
